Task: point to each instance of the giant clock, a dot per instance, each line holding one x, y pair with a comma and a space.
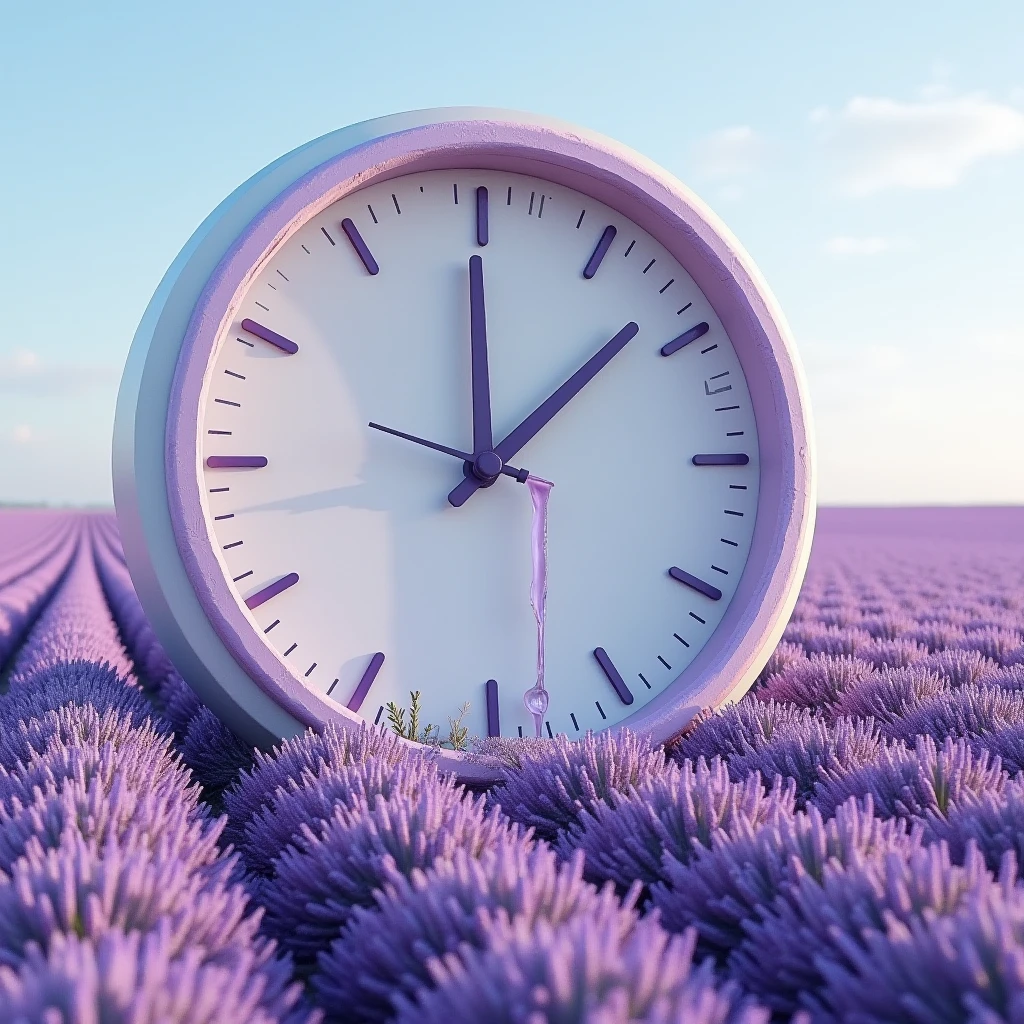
344, 380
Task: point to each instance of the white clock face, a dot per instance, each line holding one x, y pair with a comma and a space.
339, 540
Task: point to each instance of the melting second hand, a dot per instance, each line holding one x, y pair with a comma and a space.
536, 698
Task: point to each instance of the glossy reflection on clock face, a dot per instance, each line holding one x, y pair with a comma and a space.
340, 540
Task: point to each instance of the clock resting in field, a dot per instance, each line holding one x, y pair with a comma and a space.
368, 371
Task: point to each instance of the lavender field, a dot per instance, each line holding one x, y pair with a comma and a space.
842, 845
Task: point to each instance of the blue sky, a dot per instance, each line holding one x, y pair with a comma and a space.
870, 157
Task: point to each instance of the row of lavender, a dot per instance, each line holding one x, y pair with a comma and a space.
842, 842
117, 902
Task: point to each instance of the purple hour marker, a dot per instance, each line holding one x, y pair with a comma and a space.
599, 253
275, 588
618, 683
269, 336
735, 459
493, 725
236, 461
695, 584
481, 216
363, 687
362, 251
685, 338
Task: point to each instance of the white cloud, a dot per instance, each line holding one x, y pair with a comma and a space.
847, 245
882, 143
22, 433
23, 372
729, 153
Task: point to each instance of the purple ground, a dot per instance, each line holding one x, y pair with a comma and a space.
842, 845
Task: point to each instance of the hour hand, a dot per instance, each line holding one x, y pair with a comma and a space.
470, 460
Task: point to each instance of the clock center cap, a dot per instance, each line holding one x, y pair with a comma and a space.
487, 466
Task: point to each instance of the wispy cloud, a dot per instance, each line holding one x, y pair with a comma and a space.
24, 372
882, 143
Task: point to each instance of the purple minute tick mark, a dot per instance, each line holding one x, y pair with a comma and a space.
534, 423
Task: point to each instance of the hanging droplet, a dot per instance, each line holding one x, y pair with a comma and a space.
536, 700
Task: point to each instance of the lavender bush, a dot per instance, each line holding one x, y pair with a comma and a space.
320, 879
810, 926
384, 953
103, 836
310, 802
562, 778
332, 747
917, 782
941, 968
722, 888
591, 968
626, 837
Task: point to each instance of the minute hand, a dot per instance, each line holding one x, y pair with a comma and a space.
509, 446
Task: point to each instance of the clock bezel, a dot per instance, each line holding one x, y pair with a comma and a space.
638, 190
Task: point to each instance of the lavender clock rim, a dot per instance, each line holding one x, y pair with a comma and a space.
658, 203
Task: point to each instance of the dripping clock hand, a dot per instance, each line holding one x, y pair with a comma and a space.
531, 426
485, 458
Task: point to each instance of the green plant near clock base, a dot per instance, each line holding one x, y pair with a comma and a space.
458, 734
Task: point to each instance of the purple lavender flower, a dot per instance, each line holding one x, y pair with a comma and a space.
998, 645
970, 711
915, 782
327, 873
70, 727
943, 969
79, 743
455, 905
333, 746
75, 626
934, 635
720, 889
311, 800
993, 821
136, 979
804, 925
85, 890
818, 682
76, 682
1008, 744
888, 625
785, 656
959, 667
739, 728
626, 837
586, 969
551, 789
215, 754
834, 641
891, 694
103, 798
897, 653
179, 701
1011, 677
812, 751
